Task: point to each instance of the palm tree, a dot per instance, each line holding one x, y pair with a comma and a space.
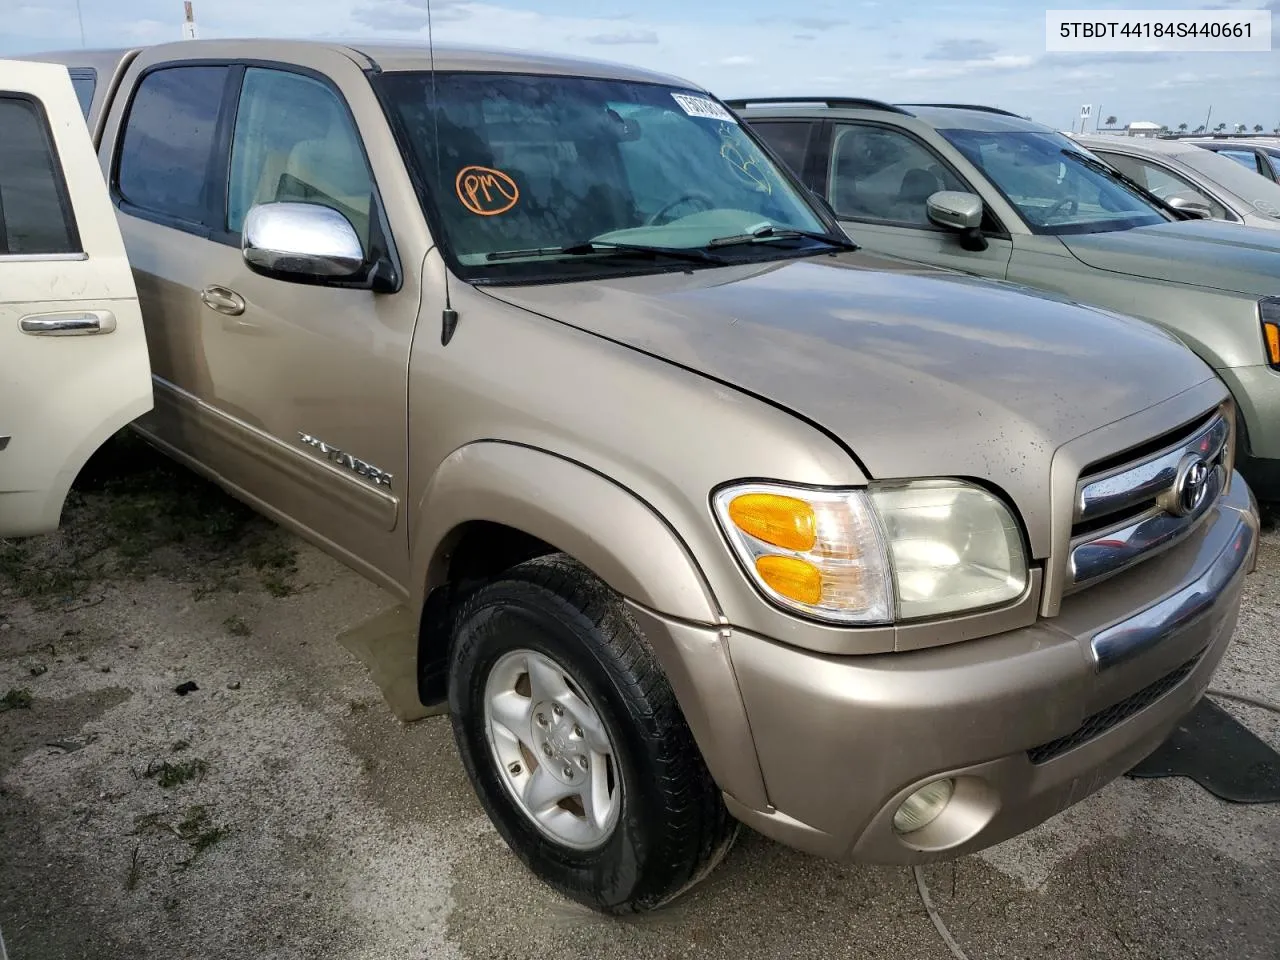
1182, 128
1199, 129
1257, 128
1219, 128
1111, 121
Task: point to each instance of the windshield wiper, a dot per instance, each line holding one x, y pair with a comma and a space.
1119, 177
770, 231
588, 247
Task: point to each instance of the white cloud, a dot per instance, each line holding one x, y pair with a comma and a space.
968, 67
737, 60
623, 37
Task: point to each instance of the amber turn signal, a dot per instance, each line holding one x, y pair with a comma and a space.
795, 579
1272, 332
777, 520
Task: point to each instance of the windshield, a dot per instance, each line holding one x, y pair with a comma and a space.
1247, 184
1042, 174
531, 166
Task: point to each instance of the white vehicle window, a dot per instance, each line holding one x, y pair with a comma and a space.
35, 210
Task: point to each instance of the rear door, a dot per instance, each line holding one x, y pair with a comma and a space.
73, 358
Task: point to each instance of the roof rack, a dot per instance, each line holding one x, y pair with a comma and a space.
857, 103
968, 106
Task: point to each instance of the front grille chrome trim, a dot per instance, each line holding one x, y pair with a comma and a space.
1133, 484
1103, 554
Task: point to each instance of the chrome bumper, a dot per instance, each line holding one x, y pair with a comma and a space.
1134, 636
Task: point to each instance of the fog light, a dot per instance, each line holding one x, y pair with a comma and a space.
923, 807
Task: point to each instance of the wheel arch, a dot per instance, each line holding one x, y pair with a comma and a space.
493, 504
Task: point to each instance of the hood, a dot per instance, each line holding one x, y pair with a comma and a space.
1204, 253
920, 373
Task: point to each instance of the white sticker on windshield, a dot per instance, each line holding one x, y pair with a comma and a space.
702, 107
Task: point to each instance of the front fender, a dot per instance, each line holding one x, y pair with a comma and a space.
592, 519
629, 546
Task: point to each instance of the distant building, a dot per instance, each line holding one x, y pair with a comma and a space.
1143, 128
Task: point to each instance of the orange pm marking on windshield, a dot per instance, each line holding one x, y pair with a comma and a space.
486, 192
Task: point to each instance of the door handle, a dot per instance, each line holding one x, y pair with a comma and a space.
68, 324
223, 300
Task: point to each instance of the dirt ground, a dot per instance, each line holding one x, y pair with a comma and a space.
278, 810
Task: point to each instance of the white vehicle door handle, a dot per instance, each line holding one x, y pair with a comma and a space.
68, 324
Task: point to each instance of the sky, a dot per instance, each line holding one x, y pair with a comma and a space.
985, 51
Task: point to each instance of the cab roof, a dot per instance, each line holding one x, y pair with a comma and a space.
389, 56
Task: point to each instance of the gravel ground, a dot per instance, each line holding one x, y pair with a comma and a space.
281, 811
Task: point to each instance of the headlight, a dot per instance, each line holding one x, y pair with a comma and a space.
1269, 313
901, 551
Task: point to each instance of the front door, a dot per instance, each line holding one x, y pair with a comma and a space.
878, 179
73, 357
292, 395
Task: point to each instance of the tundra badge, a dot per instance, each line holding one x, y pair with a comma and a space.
334, 455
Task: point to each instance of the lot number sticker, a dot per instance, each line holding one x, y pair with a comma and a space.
702, 107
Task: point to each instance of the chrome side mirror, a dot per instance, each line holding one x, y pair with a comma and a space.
304, 242
1191, 205
958, 211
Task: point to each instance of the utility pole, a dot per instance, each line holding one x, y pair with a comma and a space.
1206, 118
80, 20
189, 23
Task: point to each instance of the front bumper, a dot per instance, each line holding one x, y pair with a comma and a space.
1027, 722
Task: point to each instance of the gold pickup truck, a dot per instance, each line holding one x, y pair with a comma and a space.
706, 516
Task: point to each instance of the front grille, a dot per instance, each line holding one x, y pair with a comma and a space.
1102, 721
1130, 507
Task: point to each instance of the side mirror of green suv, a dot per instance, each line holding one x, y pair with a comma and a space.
959, 211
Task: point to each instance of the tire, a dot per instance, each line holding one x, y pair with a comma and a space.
669, 824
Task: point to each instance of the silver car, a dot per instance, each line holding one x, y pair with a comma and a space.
1187, 176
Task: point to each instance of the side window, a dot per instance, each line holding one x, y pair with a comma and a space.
884, 175
168, 142
295, 141
1246, 158
1164, 183
789, 139
35, 210
1270, 162
85, 81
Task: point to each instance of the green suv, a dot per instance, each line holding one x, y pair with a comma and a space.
988, 192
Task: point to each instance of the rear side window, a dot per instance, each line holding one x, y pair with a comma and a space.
1246, 158
789, 140
169, 141
35, 210
85, 81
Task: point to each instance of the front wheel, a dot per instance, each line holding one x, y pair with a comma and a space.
575, 744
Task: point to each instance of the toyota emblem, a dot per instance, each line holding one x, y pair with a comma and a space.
1190, 487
